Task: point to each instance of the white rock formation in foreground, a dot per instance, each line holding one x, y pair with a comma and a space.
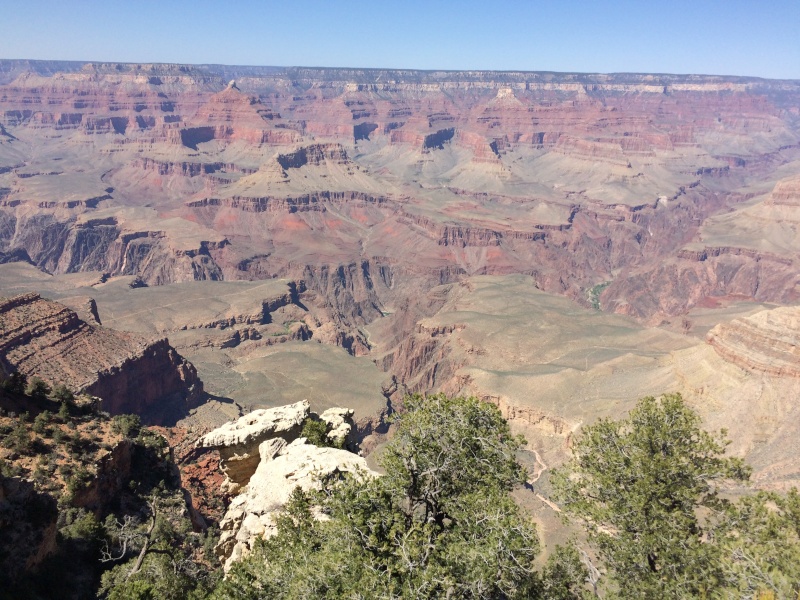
340, 425
264, 460
238, 441
282, 468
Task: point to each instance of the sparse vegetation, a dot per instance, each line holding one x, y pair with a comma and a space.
595, 292
66, 469
439, 523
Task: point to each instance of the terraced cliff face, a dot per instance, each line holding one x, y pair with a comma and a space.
375, 194
751, 251
374, 186
766, 342
128, 372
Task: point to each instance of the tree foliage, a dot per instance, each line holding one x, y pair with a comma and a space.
316, 432
439, 523
128, 426
16, 383
61, 393
637, 485
37, 389
759, 538
154, 560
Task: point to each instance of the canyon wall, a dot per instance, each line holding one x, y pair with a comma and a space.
128, 372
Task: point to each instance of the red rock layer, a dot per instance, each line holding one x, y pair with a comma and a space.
129, 373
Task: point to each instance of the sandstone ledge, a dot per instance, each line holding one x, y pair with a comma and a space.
768, 341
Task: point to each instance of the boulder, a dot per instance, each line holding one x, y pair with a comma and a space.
238, 441
281, 469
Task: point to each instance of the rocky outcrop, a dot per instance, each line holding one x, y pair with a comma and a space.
341, 427
767, 342
131, 374
239, 441
112, 475
676, 286
264, 459
281, 469
590, 150
291, 204
785, 193
314, 154
118, 245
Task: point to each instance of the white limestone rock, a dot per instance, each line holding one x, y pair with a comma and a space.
340, 425
238, 441
257, 426
252, 513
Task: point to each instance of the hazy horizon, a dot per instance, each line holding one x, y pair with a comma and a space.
735, 38
380, 68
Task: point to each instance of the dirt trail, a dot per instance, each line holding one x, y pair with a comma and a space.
541, 468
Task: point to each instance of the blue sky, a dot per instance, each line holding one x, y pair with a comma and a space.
733, 37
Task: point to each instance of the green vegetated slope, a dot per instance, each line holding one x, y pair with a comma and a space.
649, 491
92, 506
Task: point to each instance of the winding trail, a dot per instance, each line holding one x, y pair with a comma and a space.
537, 473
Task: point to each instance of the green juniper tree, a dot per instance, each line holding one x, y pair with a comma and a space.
759, 538
438, 524
37, 389
62, 393
637, 485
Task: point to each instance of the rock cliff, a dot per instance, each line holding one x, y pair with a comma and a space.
239, 441
422, 177
283, 467
130, 373
767, 342
28, 520
264, 459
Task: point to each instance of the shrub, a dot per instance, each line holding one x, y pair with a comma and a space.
126, 425
78, 480
638, 485
41, 422
16, 383
19, 440
63, 412
37, 389
316, 431
62, 393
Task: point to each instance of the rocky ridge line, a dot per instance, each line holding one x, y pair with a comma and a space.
129, 373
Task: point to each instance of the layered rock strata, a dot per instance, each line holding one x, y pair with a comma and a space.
130, 373
767, 342
573, 179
